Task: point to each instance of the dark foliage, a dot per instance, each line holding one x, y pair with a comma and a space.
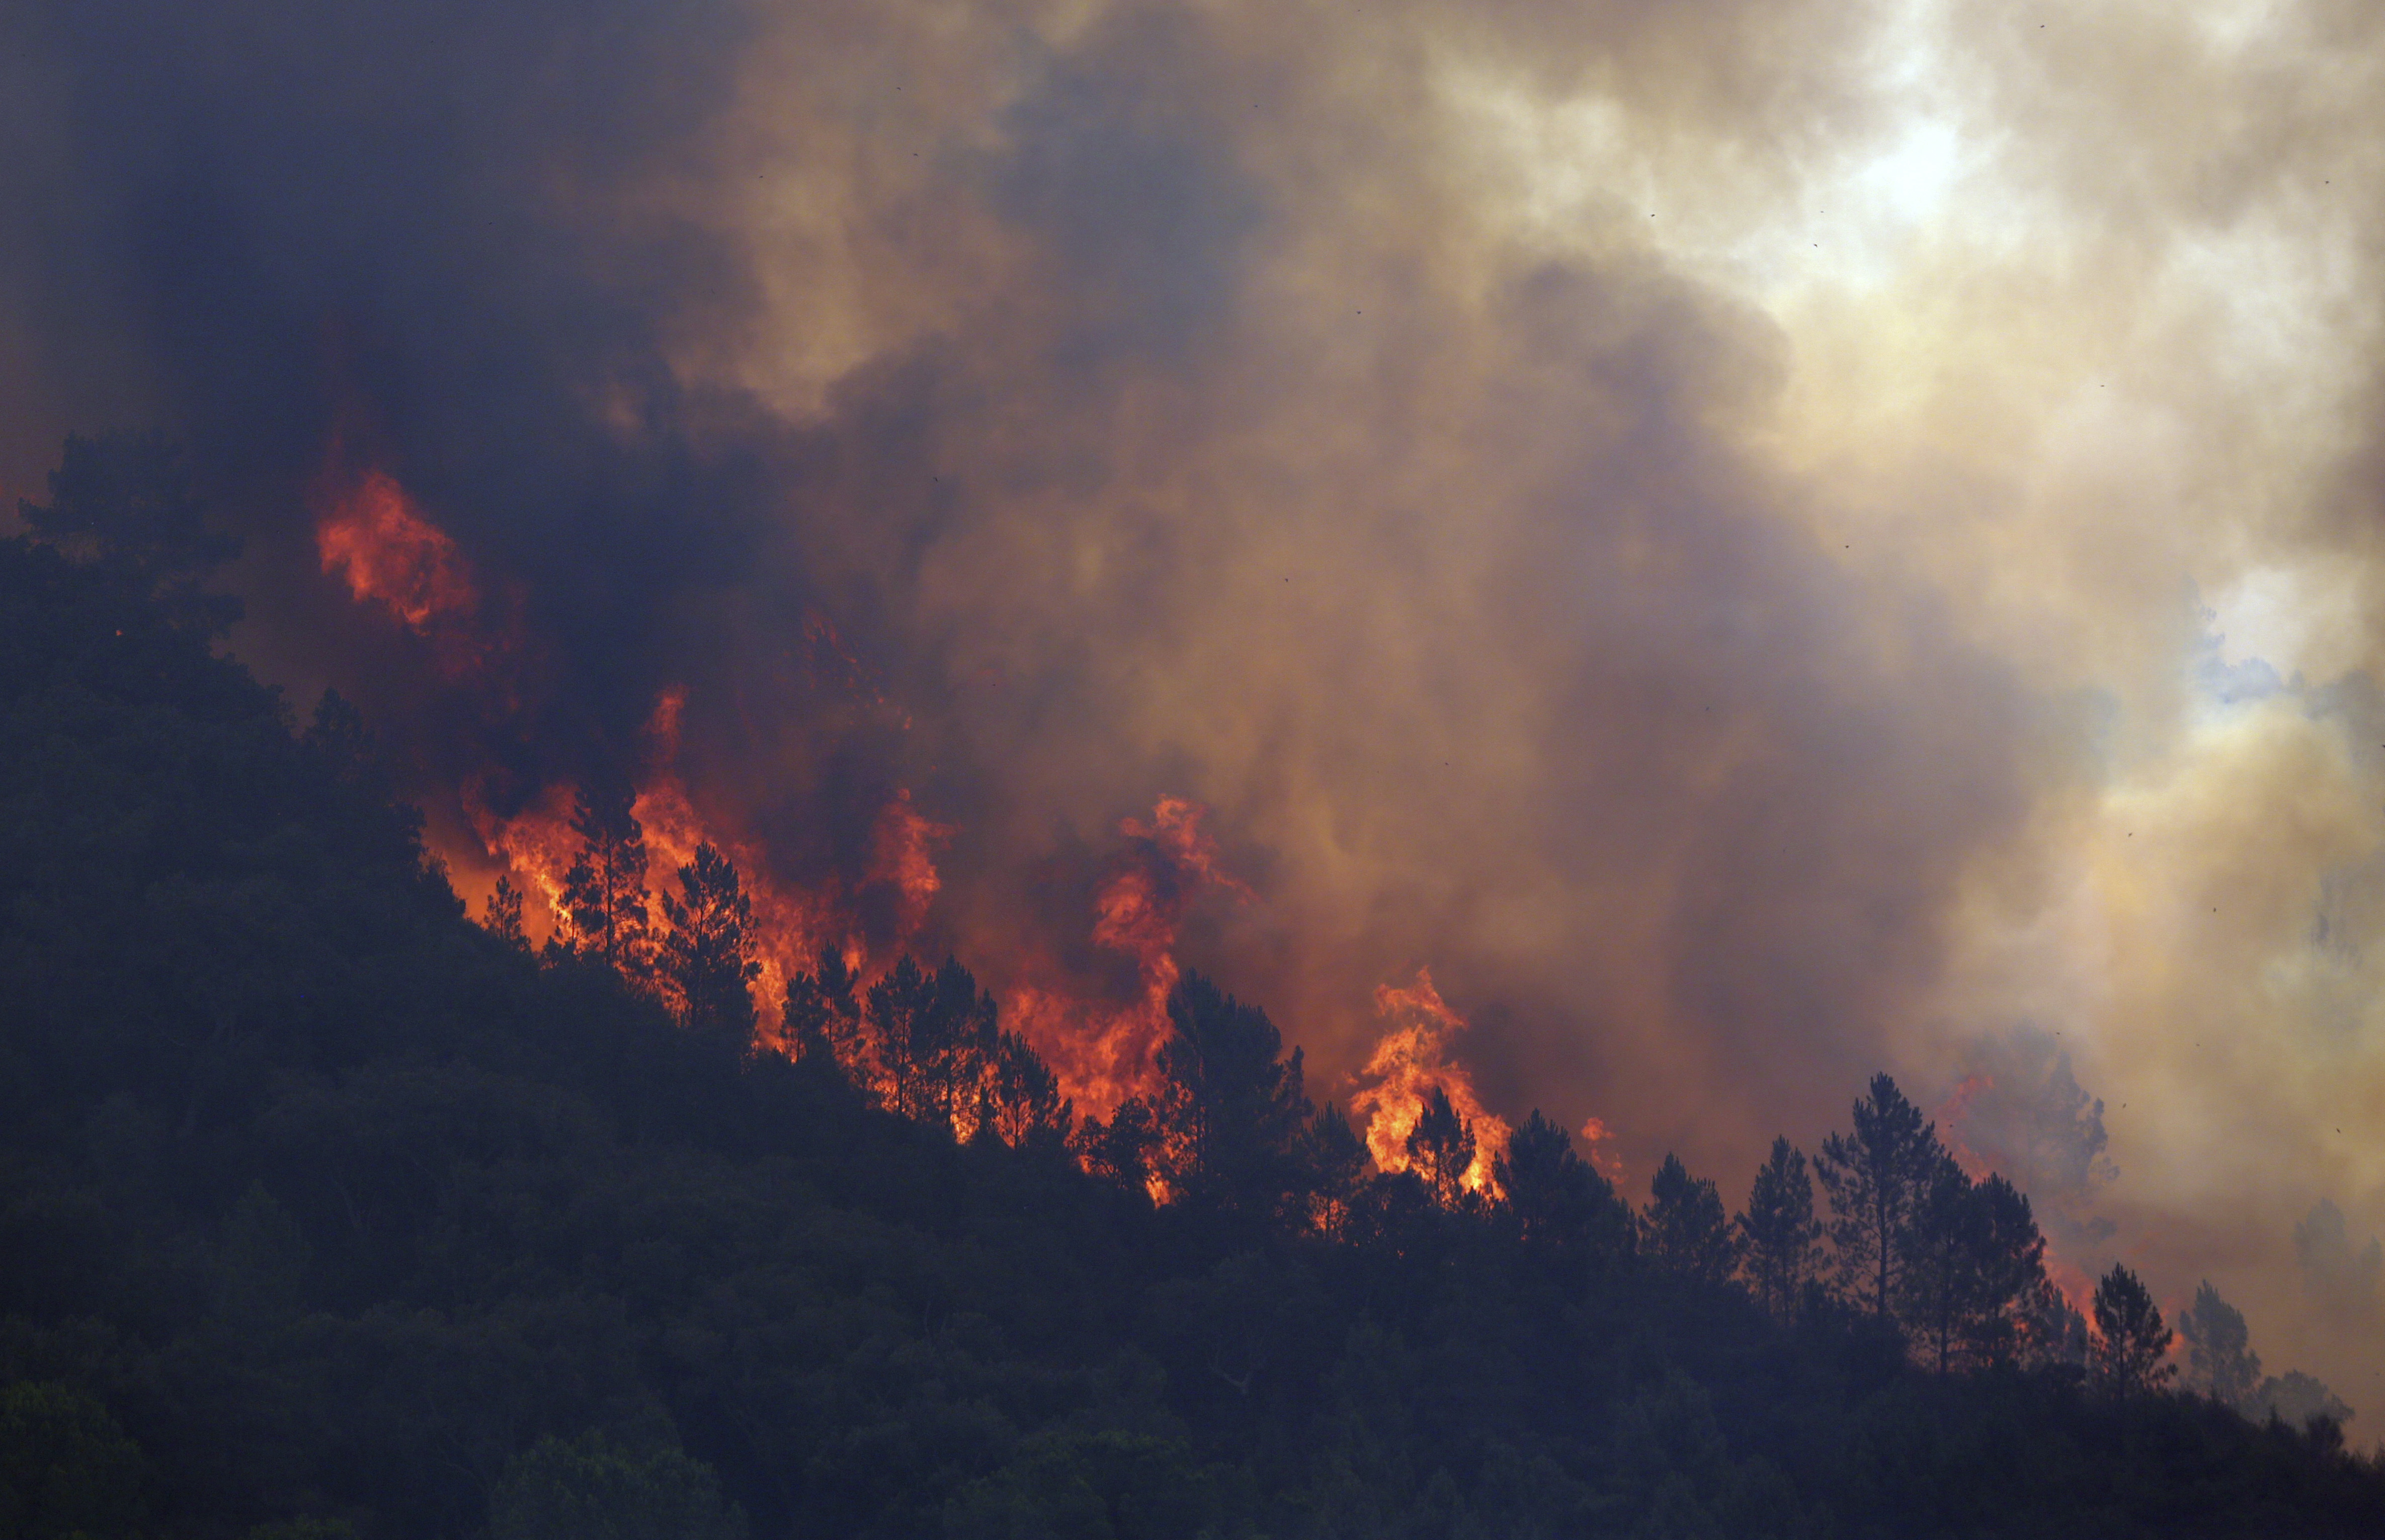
1779, 1233
605, 892
704, 958
325, 1212
1686, 1230
2131, 1339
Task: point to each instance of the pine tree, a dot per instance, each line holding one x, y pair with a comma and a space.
1023, 1103
605, 891
1970, 1255
935, 1037
1120, 1150
503, 919
887, 1012
1779, 1230
1336, 1158
2219, 1359
1557, 1204
705, 959
1232, 1104
2051, 1333
2007, 1264
1876, 1178
1937, 1252
822, 1019
1441, 1150
1686, 1230
125, 503
2131, 1340
953, 1047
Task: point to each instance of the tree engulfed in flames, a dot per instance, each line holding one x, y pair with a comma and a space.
377, 539
1412, 1061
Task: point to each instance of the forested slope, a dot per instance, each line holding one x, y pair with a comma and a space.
323, 1210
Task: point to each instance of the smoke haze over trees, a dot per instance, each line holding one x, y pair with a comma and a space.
331, 1212
1758, 544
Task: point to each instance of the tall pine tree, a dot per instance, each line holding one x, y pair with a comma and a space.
1441, 1150
1232, 1104
705, 961
1686, 1230
1778, 1230
605, 891
2131, 1338
1876, 1177
2219, 1359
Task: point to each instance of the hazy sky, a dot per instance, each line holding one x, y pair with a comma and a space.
1757, 542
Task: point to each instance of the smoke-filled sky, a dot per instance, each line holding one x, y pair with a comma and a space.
1756, 541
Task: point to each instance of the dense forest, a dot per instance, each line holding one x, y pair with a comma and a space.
328, 1210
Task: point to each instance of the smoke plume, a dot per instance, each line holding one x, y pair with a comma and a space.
1731, 545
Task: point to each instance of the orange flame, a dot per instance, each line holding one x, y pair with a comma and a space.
1408, 1064
377, 538
536, 844
1596, 1139
1104, 1054
2074, 1286
791, 925
902, 856
374, 536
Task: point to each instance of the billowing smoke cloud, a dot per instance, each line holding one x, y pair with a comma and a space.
1755, 543
2342, 1277
2022, 1112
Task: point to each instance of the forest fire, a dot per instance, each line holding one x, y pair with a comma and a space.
744, 741
376, 537
1408, 1065
1104, 1054
791, 927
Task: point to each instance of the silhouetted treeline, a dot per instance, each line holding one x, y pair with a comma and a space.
325, 1212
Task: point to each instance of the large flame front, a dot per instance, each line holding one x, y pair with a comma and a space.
1102, 1052
792, 925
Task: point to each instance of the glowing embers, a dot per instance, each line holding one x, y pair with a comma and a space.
1412, 1062
1106, 1053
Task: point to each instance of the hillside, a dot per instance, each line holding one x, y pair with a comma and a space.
325, 1210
